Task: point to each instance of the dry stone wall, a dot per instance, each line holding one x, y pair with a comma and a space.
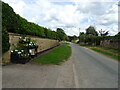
110, 44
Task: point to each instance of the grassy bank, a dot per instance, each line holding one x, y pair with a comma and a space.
109, 52
113, 53
55, 56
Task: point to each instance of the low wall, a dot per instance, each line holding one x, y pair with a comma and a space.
43, 44
110, 44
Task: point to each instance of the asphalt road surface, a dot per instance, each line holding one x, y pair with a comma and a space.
84, 69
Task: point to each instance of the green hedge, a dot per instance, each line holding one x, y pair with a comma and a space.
5, 40
16, 24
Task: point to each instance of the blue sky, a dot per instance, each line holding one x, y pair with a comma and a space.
71, 15
63, 3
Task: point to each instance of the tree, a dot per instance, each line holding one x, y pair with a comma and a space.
81, 33
91, 30
72, 38
61, 34
59, 30
118, 33
103, 32
75, 37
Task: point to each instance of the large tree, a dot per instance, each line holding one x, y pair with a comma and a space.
91, 31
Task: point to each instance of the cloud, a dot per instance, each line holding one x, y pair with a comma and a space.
17, 5
69, 14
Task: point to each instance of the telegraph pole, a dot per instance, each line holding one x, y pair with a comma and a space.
79, 34
79, 31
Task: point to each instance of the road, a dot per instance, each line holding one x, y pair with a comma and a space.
94, 70
84, 69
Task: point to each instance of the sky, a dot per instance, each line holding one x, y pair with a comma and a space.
73, 16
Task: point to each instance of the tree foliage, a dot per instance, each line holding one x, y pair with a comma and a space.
91, 30
91, 36
61, 34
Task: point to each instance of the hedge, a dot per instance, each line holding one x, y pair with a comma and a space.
5, 40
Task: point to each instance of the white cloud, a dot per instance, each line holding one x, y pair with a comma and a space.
70, 17
17, 5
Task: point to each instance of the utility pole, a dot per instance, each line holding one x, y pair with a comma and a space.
79, 31
79, 34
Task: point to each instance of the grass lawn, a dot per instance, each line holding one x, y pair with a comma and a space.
55, 56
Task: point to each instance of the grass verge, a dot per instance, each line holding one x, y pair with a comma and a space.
55, 56
109, 52
84, 45
113, 53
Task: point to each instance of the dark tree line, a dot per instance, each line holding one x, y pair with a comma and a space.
72, 38
14, 23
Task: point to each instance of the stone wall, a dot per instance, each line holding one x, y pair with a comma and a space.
110, 43
43, 44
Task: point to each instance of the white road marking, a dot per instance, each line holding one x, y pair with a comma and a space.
75, 77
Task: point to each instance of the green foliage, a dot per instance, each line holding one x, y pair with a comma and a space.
16, 24
91, 36
91, 30
5, 40
61, 34
90, 39
82, 38
81, 33
8, 19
